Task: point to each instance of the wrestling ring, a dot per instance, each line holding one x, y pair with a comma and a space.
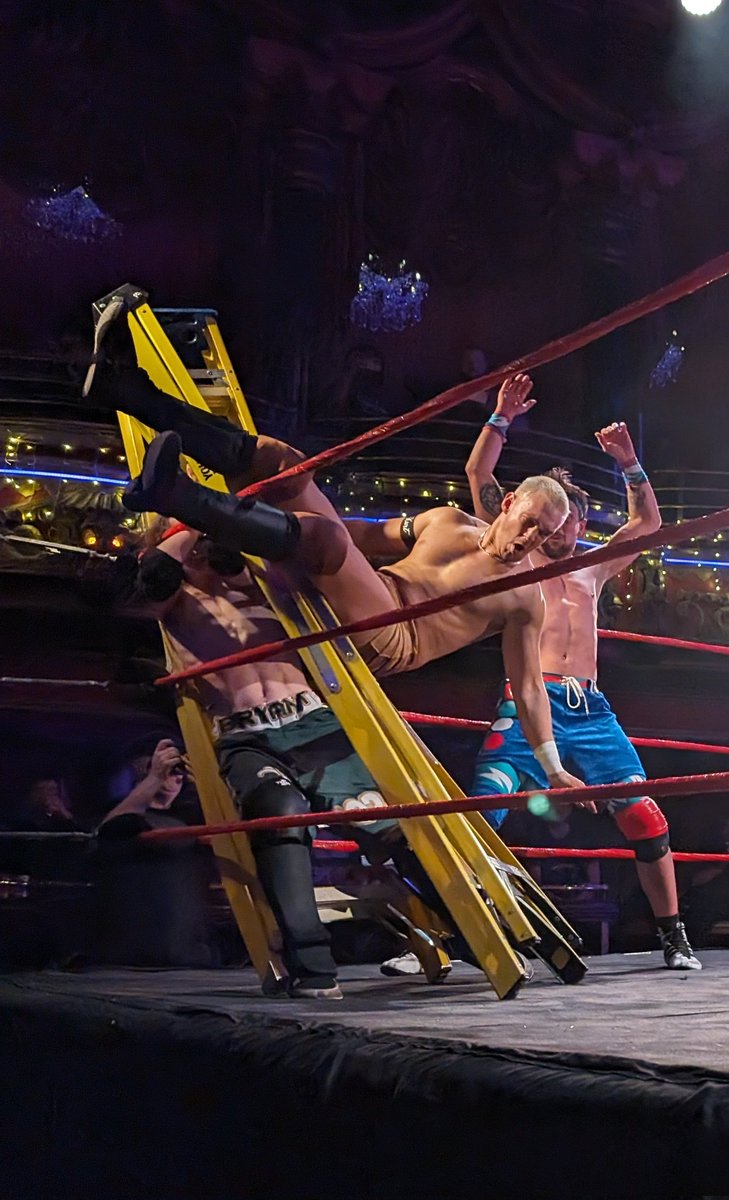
427, 1076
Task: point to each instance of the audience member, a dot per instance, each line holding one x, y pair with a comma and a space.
152, 898
46, 809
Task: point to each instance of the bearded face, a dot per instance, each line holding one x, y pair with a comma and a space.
562, 544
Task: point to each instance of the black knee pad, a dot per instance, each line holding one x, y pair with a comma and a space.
651, 849
276, 796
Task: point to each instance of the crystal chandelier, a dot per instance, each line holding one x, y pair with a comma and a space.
387, 302
72, 215
667, 368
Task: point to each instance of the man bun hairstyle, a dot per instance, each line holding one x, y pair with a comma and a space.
578, 496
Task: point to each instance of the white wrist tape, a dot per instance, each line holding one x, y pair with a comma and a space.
548, 758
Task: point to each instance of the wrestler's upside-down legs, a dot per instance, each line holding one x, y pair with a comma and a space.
316, 539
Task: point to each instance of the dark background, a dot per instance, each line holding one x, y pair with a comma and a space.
540, 162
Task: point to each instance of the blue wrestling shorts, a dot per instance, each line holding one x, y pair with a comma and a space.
591, 745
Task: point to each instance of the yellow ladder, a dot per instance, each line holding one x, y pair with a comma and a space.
496, 905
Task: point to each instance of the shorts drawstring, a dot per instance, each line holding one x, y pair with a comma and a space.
575, 693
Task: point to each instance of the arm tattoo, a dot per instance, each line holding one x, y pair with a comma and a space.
491, 495
636, 498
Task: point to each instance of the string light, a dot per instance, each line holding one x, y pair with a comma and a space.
18, 471
690, 562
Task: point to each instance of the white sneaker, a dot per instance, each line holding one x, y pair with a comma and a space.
677, 951
406, 963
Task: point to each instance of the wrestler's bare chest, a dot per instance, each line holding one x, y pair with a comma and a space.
206, 626
569, 634
440, 565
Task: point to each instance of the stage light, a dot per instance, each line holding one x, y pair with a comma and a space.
539, 806
89, 537
700, 8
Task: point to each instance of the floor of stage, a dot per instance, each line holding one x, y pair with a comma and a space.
183, 1085
629, 1006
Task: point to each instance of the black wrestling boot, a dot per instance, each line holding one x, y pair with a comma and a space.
115, 381
246, 525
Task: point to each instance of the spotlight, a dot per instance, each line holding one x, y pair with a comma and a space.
700, 8
89, 537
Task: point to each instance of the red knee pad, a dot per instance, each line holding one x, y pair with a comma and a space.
641, 820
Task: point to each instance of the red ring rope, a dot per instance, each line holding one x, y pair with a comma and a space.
484, 726
551, 852
609, 852
700, 277
450, 722
651, 640
670, 744
699, 527
685, 785
336, 845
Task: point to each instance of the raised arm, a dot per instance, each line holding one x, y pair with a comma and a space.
513, 400
165, 761
520, 650
643, 512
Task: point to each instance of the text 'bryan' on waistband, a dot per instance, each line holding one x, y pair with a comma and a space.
268, 716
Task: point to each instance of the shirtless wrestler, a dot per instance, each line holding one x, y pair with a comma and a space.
281, 750
585, 728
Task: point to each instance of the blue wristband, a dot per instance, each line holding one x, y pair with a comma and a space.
634, 476
499, 423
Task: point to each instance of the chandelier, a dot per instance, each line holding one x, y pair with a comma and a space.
667, 368
72, 215
387, 302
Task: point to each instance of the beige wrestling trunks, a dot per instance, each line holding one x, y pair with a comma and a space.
395, 648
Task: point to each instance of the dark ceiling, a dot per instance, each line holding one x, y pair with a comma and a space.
539, 161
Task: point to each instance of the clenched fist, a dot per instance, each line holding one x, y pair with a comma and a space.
616, 441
